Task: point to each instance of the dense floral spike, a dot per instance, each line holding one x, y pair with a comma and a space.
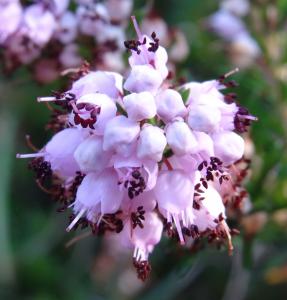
138, 164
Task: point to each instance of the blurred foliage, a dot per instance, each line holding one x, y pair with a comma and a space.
34, 262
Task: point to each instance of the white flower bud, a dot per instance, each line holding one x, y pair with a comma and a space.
143, 78
228, 146
140, 106
180, 138
90, 155
170, 105
151, 143
120, 132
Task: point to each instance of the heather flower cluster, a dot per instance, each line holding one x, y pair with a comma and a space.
141, 156
48, 30
227, 23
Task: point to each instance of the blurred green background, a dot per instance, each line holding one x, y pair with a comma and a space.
36, 264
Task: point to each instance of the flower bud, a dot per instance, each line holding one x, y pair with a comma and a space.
180, 138
204, 118
120, 132
170, 105
96, 82
140, 106
90, 155
151, 143
228, 146
143, 78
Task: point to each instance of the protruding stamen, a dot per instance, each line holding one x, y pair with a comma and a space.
77, 218
226, 229
48, 99
248, 117
136, 26
70, 70
178, 228
31, 155
230, 73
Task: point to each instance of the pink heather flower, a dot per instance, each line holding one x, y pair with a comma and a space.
140, 106
96, 82
143, 78
180, 138
228, 146
133, 159
151, 143
173, 192
90, 156
98, 194
211, 208
205, 146
149, 53
96, 108
170, 105
59, 152
136, 175
204, 118
10, 15
119, 133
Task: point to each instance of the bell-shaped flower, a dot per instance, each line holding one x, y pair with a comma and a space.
174, 193
60, 151
151, 143
135, 175
228, 146
180, 138
94, 110
119, 133
156, 58
170, 105
40, 24
90, 155
143, 78
211, 209
140, 106
147, 237
10, 15
98, 194
146, 200
96, 82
